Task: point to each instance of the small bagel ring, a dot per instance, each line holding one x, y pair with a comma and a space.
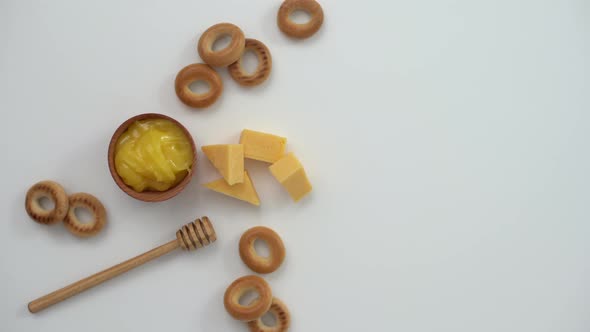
229, 54
74, 225
256, 308
196, 72
282, 317
262, 71
295, 30
53, 191
258, 263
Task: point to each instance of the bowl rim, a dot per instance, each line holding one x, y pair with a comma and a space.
149, 196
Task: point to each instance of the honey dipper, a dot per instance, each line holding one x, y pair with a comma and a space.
191, 236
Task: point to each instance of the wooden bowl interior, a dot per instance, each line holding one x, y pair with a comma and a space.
149, 196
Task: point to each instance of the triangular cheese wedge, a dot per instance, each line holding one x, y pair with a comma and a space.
228, 159
243, 191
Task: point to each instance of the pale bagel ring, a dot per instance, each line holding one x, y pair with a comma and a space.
258, 263
263, 69
229, 54
282, 318
50, 190
87, 201
295, 30
197, 72
256, 308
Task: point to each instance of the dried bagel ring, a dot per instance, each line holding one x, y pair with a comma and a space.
229, 54
252, 259
50, 190
198, 72
256, 308
87, 201
262, 71
295, 30
282, 318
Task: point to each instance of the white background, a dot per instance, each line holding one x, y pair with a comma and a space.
447, 142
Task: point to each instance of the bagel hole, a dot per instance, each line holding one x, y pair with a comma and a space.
199, 87
261, 248
46, 203
300, 16
84, 215
269, 319
221, 42
249, 62
247, 298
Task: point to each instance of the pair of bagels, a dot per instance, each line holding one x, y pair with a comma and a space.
252, 313
230, 56
64, 208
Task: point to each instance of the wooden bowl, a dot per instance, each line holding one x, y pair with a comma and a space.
149, 196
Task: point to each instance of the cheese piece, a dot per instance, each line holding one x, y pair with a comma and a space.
228, 159
243, 191
290, 173
261, 146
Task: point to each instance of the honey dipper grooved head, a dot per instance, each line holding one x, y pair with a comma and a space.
196, 234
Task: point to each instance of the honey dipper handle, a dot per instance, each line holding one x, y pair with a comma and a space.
100, 277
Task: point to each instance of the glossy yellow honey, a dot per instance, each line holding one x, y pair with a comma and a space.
153, 155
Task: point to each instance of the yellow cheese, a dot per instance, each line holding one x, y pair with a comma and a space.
263, 147
244, 191
228, 159
289, 172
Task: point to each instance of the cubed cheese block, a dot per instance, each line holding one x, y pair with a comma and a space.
261, 146
244, 191
289, 172
228, 159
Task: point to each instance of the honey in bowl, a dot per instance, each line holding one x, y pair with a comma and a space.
153, 155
